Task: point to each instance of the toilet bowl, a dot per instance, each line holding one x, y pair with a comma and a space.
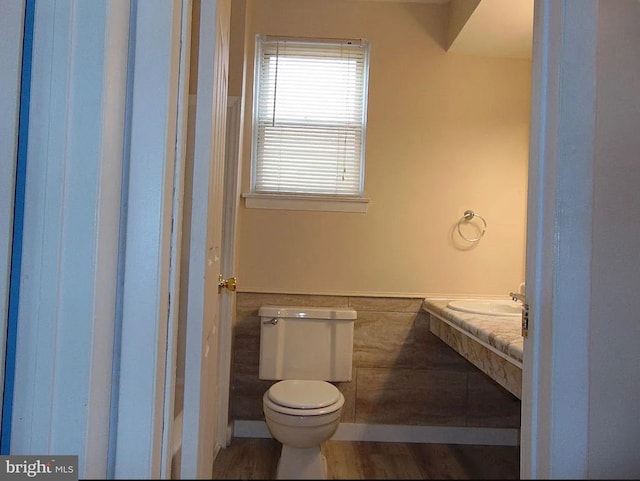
302, 414
304, 349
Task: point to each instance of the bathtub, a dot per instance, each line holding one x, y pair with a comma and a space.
491, 342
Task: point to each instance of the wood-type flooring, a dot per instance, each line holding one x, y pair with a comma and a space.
251, 458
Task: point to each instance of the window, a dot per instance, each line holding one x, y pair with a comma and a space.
309, 120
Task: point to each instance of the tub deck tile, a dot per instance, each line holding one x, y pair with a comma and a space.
491, 343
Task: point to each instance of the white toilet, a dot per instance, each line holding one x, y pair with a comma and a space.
303, 348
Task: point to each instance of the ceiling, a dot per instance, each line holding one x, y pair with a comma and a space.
497, 28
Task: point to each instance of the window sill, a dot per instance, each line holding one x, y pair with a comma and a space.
325, 203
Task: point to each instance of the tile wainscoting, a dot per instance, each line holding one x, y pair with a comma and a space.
403, 375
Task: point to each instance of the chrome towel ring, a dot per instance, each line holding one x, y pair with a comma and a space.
468, 216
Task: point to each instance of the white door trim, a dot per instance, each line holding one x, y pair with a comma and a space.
555, 398
11, 32
147, 287
176, 243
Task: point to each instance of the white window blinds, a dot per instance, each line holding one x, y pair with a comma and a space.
309, 116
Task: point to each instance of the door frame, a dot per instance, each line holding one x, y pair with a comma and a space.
551, 351
171, 426
145, 353
554, 435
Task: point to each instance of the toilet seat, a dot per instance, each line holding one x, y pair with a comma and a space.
304, 397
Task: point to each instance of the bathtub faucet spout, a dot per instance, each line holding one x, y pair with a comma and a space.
517, 297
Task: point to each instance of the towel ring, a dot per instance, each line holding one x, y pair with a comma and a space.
467, 217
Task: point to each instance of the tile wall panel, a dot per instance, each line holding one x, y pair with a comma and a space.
403, 374
411, 396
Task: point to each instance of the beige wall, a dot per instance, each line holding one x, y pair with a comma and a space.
446, 133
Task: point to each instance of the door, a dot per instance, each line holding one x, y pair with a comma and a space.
228, 265
202, 392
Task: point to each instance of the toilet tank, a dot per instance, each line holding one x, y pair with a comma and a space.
306, 343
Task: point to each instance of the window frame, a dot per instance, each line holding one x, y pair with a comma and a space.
298, 200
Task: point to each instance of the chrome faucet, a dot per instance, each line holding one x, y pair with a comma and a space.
517, 297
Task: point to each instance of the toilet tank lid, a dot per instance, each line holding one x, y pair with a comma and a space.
303, 312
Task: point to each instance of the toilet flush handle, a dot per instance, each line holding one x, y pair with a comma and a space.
273, 321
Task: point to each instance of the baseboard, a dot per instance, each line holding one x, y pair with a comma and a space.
393, 433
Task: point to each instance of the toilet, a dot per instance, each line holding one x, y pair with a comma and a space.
304, 349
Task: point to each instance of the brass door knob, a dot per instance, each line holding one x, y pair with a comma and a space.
229, 283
